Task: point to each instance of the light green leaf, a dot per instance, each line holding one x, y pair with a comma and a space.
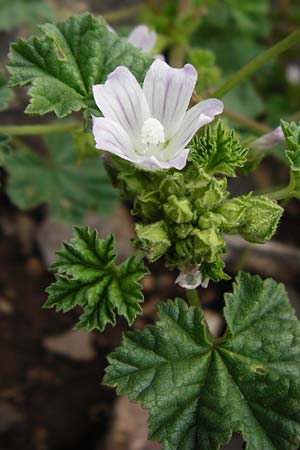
70, 187
199, 391
17, 12
92, 280
66, 60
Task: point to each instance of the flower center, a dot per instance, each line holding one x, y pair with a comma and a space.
153, 132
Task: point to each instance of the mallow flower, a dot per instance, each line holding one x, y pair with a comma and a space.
150, 125
191, 278
268, 140
143, 38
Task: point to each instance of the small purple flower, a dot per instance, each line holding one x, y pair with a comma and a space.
269, 140
150, 126
191, 278
143, 38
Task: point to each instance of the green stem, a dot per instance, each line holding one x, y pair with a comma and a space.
257, 62
281, 194
122, 13
290, 191
193, 297
248, 123
29, 130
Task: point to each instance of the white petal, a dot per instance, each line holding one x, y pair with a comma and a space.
111, 137
178, 162
143, 38
191, 278
121, 99
168, 92
269, 140
198, 116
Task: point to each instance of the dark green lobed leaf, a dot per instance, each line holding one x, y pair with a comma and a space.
88, 277
70, 187
66, 60
199, 391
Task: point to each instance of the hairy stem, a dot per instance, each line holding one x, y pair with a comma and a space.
257, 62
29, 130
248, 123
122, 13
193, 297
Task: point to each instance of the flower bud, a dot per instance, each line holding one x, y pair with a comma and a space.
153, 239
233, 213
261, 219
269, 140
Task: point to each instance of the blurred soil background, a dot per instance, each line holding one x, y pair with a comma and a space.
51, 397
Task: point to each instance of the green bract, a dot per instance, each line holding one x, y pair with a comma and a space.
65, 60
88, 277
218, 151
199, 391
292, 139
70, 186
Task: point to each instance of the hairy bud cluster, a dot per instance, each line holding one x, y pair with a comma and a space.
183, 216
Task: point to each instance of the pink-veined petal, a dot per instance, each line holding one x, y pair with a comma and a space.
143, 38
111, 137
122, 99
168, 92
199, 115
178, 162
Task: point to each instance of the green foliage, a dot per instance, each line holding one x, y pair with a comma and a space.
218, 151
292, 140
6, 94
4, 149
66, 60
17, 12
199, 391
70, 187
182, 215
209, 73
88, 277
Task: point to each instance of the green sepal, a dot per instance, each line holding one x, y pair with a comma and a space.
212, 195
210, 220
198, 391
178, 210
207, 244
233, 212
87, 276
148, 206
172, 184
153, 239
